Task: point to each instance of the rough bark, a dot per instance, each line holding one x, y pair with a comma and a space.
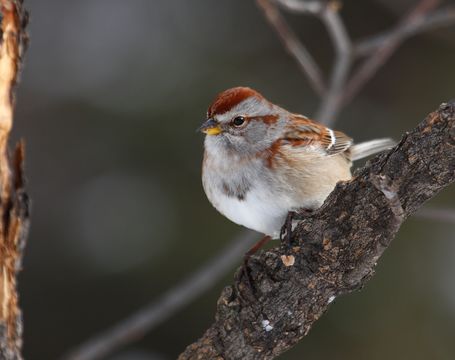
334, 250
14, 208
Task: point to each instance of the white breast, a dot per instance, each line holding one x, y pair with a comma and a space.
259, 210
247, 193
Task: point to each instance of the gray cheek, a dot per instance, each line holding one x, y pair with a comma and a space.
257, 135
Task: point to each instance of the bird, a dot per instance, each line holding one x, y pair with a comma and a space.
262, 161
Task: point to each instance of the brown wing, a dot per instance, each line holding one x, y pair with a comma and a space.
305, 132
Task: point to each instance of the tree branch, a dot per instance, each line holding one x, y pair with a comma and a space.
14, 209
435, 214
335, 250
438, 18
293, 45
383, 52
298, 6
328, 109
377, 49
169, 303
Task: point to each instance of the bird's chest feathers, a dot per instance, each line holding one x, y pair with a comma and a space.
238, 192
232, 182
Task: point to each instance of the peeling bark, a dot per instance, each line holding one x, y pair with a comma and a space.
14, 204
335, 249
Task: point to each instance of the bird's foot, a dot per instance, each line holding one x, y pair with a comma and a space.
286, 229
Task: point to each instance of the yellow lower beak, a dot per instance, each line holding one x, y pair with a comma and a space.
212, 130
211, 127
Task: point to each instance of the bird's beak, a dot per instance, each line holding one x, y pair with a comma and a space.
210, 127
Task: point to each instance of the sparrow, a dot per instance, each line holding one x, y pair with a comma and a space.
262, 161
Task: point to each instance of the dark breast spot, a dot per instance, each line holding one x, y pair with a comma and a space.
238, 190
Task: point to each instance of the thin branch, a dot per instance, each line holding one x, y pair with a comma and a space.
293, 45
380, 56
443, 215
149, 317
438, 18
298, 6
379, 48
329, 108
329, 260
328, 13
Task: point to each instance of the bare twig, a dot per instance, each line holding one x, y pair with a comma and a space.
328, 13
298, 6
443, 215
294, 46
139, 323
328, 108
380, 56
378, 48
438, 18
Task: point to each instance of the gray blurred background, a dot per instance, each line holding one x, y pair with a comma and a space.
110, 98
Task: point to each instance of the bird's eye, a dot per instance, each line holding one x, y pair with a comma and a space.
238, 121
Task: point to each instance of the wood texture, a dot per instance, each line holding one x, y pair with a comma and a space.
334, 251
14, 204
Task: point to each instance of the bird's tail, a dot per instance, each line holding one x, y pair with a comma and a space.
367, 148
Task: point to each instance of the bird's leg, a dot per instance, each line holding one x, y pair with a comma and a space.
286, 229
244, 270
